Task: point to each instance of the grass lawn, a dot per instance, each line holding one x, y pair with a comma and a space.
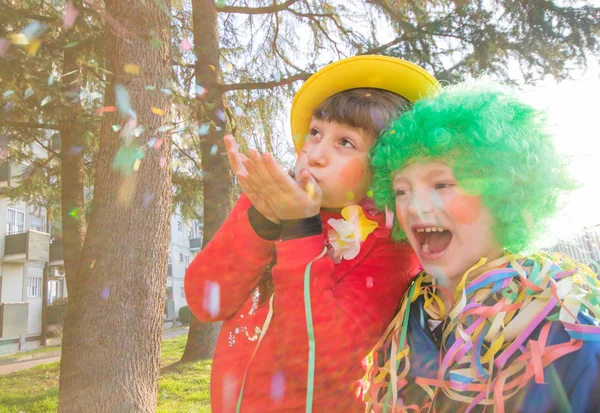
184, 390
29, 354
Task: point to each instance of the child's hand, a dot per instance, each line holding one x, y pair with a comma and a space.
287, 198
236, 160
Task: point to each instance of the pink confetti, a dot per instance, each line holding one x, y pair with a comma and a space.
158, 143
163, 162
70, 15
185, 45
389, 218
369, 282
4, 46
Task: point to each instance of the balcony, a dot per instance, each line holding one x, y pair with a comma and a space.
195, 244
27, 246
170, 270
56, 251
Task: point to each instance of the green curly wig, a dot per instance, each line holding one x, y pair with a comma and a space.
497, 147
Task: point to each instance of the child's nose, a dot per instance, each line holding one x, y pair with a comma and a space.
318, 154
420, 203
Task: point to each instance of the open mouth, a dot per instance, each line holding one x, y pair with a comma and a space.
433, 240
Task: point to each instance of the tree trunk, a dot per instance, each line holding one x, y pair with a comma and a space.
216, 172
72, 177
111, 346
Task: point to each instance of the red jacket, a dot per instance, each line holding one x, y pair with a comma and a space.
352, 302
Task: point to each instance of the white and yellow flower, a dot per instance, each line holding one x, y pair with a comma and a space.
347, 234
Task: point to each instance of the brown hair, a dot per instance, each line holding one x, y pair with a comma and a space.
365, 108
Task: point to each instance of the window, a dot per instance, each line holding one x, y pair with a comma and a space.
187, 261
179, 226
180, 257
15, 223
182, 292
169, 257
34, 287
37, 223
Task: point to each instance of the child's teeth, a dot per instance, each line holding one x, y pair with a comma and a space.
426, 248
427, 229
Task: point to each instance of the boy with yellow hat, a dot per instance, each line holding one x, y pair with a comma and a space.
304, 274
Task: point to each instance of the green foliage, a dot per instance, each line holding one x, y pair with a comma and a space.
185, 315
184, 389
58, 311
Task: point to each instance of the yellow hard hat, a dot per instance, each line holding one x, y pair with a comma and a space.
367, 71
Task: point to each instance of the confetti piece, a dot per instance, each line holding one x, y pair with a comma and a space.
163, 162
369, 282
126, 159
105, 293
204, 129
147, 199
138, 131
72, 44
278, 386
165, 128
4, 46
151, 142
46, 100
167, 91
370, 194
221, 115
158, 111
74, 150
100, 111
214, 149
209, 106
51, 79
229, 67
389, 218
350, 195
277, 76
70, 15
200, 91
123, 102
34, 30
213, 68
8, 94
220, 3
116, 128
136, 165
33, 47
19, 39
239, 111
212, 298
218, 128
28, 93
92, 264
185, 45
158, 143
150, 87
132, 69
74, 213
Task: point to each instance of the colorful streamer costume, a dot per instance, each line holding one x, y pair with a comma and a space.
524, 337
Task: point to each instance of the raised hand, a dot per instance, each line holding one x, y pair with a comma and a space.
287, 198
236, 160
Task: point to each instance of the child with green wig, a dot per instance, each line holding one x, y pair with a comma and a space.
474, 176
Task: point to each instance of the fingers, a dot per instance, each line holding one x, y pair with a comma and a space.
282, 179
233, 155
308, 183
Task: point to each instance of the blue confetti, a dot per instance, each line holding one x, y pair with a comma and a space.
34, 30
28, 93
46, 100
214, 149
204, 129
123, 102
105, 293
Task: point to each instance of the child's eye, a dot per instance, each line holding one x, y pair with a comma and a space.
400, 192
443, 185
345, 142
314, 132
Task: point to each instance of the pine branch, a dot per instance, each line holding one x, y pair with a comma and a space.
265, 85
257, 10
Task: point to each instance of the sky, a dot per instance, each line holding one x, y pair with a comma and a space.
573, 113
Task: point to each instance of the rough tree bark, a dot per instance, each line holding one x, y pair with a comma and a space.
72, 177
111, 345
216, 172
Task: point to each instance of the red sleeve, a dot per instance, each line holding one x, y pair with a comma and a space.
223, 274
348, 316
